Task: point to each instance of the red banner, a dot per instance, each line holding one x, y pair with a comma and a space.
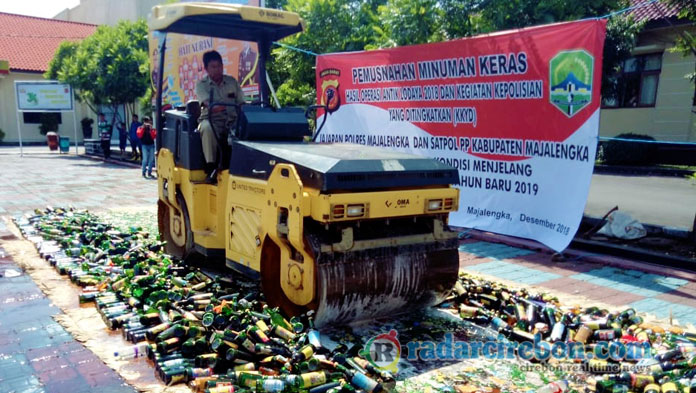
517, 112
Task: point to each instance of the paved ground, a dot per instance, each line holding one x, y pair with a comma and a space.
663, 201
36, 354
658, 291
42, 178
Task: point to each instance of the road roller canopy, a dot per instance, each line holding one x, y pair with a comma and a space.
233, 21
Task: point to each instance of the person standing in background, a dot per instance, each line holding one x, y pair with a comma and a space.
136, 151
104, 135
147, 135
122, 137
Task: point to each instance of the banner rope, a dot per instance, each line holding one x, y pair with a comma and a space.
606, 138
631, 8
307, 52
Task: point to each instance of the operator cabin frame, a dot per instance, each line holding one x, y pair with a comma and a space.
230, 21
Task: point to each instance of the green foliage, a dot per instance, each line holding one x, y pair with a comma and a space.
145, 102
58, 66
460, 18
691, 176
331, 26
293, 93
616, 152
110, 67
86, 122
502, 15
48, 122
621, 33
410, 22
686, 42
499, 15
353, 25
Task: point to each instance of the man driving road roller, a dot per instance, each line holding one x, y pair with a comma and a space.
226, 90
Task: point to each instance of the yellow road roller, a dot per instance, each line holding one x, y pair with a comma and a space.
350, 231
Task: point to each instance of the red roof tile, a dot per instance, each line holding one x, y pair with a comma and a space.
29, 43
653, 10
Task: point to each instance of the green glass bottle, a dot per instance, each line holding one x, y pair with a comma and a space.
303, 353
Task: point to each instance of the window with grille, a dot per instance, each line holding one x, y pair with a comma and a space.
35, 117
636, 83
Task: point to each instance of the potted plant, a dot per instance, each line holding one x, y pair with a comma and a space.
87, 127
49, 127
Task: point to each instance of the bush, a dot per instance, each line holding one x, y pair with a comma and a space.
629, 153
49, 122
86, 123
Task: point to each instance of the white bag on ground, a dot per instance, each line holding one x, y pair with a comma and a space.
621, 225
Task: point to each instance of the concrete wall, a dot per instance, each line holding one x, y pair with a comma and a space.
30, 132
108, 12
672, 118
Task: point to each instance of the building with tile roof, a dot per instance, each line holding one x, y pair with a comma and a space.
27, 45
655, 98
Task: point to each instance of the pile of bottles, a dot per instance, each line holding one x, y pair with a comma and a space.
211, 331
622, 351
215, 332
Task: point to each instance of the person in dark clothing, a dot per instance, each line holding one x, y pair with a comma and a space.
122, 137
104, 135
147, 135
136, 151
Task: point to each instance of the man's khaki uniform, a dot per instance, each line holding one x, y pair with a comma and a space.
227, 92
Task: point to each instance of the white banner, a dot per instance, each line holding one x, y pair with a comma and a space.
43, 96
530, 199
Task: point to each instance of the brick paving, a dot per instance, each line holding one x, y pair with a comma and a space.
668, 293
36, 353
40, 178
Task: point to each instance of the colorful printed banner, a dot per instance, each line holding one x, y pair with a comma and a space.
516, 112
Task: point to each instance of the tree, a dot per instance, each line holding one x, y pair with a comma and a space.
410, 22
460, 18
48, 122
499, 15
686, 42
330, 26
621, 33
484, 16
110, 67
350, 25
60, 69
